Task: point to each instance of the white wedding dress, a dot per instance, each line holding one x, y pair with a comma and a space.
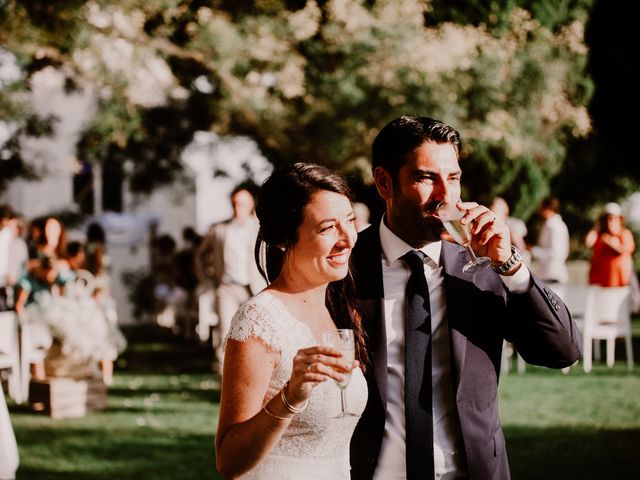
315, 445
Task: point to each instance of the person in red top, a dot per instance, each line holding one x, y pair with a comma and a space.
612, 246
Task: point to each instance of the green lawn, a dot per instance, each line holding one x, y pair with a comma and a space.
572, 426
159, 424
163, 408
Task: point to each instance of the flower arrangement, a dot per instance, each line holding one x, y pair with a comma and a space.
77, 324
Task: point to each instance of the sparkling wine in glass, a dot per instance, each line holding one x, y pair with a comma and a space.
343, 340
450, 215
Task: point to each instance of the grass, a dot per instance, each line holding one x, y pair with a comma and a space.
159, 424
572, 426
163, 408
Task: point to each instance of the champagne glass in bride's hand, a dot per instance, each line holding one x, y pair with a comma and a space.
450, 215
342, 339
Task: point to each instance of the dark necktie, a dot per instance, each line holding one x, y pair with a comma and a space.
417, 371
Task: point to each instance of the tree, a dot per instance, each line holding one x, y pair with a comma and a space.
315, 80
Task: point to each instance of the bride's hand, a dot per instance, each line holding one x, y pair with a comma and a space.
312, 366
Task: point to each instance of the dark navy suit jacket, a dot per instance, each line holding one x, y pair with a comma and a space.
481, 314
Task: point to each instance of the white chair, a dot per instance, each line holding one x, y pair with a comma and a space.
577, 298
508, 353
9, 457
608, 317
10, 354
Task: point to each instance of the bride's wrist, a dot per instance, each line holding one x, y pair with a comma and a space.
292, 406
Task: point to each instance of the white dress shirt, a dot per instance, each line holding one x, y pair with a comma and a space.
6, 239
552, 250
239, 241
449, 459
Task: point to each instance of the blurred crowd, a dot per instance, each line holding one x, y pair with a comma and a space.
38, 266
199, 284
611, 247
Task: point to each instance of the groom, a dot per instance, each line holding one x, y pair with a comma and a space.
435, 334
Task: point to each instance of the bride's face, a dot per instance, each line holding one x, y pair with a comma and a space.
325, 239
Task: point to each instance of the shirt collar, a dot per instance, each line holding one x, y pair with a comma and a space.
393, 247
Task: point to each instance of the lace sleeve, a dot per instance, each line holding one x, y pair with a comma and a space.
258, 321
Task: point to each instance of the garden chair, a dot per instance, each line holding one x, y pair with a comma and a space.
577, 298
10, 354
608, 317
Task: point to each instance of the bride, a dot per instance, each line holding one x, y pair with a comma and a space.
279, 401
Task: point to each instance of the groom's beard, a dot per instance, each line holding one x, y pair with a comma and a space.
415, 224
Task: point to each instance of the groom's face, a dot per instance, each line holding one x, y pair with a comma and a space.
429, 175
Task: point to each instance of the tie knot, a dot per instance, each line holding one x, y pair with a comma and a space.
415, 260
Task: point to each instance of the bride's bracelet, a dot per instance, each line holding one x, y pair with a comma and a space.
274, 415
290, 407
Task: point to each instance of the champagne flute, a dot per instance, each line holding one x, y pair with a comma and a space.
450, 215
343, 340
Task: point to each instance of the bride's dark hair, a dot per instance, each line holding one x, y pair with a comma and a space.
280, 209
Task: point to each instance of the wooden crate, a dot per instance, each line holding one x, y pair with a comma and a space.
65, 397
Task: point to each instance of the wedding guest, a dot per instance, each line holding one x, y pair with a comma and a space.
277, 409
53, 243
435, 333
98, 263
97, 259
362, 215
19, 249
35, 233
34, 285
225, 260
552, 248
517, 228
612, 249
76, 257
12, 257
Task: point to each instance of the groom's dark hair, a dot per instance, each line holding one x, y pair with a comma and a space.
406, 134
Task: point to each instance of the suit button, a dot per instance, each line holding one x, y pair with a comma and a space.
557, 307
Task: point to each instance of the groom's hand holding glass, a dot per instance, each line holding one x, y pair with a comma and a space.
490, 237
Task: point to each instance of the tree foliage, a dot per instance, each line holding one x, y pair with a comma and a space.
315, 80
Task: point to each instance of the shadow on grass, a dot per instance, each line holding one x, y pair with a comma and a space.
192, 393
159, 423
155, 350
566, 453
130, 455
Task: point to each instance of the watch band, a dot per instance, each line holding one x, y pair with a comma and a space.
511, 262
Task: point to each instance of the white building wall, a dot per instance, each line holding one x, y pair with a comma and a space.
201, 202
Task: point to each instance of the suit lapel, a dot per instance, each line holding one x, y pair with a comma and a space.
367, 266
454, 257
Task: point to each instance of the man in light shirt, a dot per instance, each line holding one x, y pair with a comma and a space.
465, 318
225, 258
552, 249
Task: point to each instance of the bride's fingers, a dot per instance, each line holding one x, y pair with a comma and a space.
317, 370
306, 363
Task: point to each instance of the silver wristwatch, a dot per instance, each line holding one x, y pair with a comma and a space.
511, 262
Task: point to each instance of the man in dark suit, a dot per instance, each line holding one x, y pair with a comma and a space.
435, 334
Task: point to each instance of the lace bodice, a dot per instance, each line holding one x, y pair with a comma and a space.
315, 445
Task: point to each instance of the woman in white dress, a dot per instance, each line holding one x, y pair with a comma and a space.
279, 401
